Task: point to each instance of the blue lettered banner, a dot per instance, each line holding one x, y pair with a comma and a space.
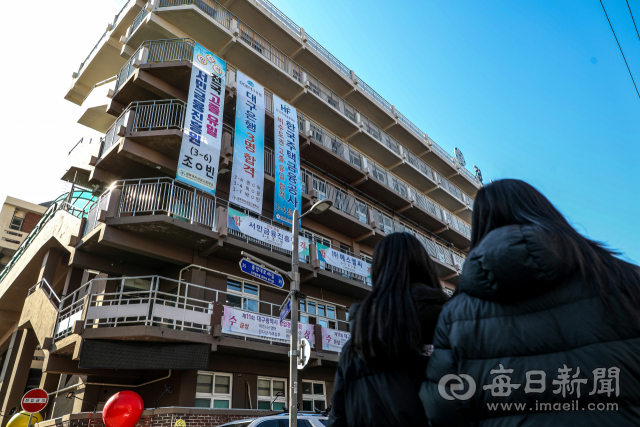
200, 150
247, 174
265, 232
343, 261
287, 155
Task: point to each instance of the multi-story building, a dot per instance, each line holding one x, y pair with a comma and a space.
135, 283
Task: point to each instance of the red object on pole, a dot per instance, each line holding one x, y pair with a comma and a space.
123, 409
34, 400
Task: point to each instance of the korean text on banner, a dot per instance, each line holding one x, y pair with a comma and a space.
264, 232
255, 325
200, 149
343, 261
333, 340
247, 174
288, 196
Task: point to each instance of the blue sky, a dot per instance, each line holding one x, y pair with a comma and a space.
531, 90
526, 89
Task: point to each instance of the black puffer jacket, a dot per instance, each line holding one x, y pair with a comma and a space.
385, 394
521, 308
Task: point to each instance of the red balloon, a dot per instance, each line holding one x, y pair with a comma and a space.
123, 409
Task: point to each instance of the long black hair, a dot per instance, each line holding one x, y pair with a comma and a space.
386, 323
514, 202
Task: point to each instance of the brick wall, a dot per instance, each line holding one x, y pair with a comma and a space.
162, 417
30, 221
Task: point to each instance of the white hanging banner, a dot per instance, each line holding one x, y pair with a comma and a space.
247, 174
343, 261
202, 135
256, 325
265, 232
334, 340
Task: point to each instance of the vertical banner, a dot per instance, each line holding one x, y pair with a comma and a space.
247, 175
288, 189
201, 140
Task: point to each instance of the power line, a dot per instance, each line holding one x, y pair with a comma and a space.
634, 21
625, 59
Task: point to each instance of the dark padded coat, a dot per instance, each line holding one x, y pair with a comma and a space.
520, 306
385, 394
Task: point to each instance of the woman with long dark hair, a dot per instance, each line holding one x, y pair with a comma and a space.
383, 365
544, 328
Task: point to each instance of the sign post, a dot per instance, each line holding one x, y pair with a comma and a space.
34, 401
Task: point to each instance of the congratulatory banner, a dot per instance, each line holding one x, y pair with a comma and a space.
288, 196
200, 150
247, 175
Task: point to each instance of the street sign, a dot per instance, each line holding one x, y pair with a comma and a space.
34, 400
305, 352
285, 310
261, 273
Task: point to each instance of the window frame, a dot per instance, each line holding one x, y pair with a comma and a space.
272, 398
313, 397
14, 218
243, 294
305, 313
213, 396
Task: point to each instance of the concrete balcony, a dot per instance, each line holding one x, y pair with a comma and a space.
95, 107
104, 60
156, 308
79, 161
150, 138
164, 210
376, 143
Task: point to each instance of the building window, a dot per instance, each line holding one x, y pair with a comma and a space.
313, 395
272, 393
213, 390
16, 222
242, 295
318, 312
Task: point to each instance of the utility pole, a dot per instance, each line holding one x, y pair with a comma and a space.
295, 288
294, 280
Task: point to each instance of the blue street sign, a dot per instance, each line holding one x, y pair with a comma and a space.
285, 310
261, 273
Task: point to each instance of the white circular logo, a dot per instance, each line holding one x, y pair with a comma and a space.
450, 392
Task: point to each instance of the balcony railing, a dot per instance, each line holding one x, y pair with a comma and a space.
154, 52
368, 89
103, 37
165, 196
156, 301
157, 51
169, 114
365, 213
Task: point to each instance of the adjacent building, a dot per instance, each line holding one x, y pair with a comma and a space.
132, 279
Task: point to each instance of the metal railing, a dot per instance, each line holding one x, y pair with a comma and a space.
111, 136
343, 69
169, 114
46, 288
138, 19
100, 40
269, 51
165, 196
156, 51
155, 301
